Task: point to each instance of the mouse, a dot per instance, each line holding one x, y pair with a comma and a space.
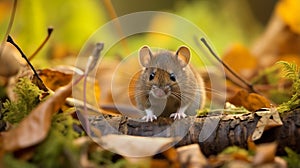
167, 85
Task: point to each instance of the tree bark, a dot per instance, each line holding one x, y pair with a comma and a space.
229, 130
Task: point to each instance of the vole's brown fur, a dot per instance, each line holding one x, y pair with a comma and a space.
168, 85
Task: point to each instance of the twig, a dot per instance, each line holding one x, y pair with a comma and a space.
50, 30
11, 21
92, 61
250, 86
113, 15
10, 40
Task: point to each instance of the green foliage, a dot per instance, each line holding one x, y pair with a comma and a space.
236, 150
58, 150
28, 97
292, 158
9, 161
292, 72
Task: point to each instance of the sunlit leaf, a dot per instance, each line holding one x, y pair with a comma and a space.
288, 10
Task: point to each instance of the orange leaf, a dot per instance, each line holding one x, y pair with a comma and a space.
54, 79
251, 102
288, 10
240, 60
34, 128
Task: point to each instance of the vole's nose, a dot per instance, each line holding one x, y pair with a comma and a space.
159, 92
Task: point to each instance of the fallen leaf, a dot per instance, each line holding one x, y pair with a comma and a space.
11, 60
288, 10
159, 163
269, 119
265, 153
191, 156
37, 122
54, 79
135, 146
171, 154
251, 101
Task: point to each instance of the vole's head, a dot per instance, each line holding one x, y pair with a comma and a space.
163, 71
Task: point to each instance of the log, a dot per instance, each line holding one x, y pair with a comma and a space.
220, 131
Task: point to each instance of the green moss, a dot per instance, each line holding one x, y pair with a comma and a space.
58, 150
292, 158
237, 150
28, 97
9, 161
292, 72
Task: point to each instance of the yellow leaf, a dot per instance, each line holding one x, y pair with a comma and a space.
235, 57
288, 10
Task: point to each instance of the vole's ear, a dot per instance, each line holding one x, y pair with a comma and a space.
145, 55
183, 55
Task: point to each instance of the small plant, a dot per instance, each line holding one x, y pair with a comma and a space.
28, 97
292, 72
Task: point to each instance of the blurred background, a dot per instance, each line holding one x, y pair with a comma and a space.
224, 21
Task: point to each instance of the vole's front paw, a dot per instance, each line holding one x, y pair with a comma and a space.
178, 115
150, 116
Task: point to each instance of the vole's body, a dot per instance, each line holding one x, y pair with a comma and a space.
168, 85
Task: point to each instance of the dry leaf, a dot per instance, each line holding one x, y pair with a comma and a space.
288, 10
54, 79
135, 146
251, 101
191, 156
171, 154
159, 163
37, 122
11, 60
269, 119
265, 153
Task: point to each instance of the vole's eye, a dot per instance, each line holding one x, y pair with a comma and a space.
172, 77
151, 77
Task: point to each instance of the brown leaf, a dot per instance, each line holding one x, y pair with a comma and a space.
135, 146
54, 79
268, 120
11, 60
251, 101
159, 163
191, 156
34, 128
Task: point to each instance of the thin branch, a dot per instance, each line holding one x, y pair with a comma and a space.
249, 85
50, 30
91, 64
11, 21
10, 40
113, 15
